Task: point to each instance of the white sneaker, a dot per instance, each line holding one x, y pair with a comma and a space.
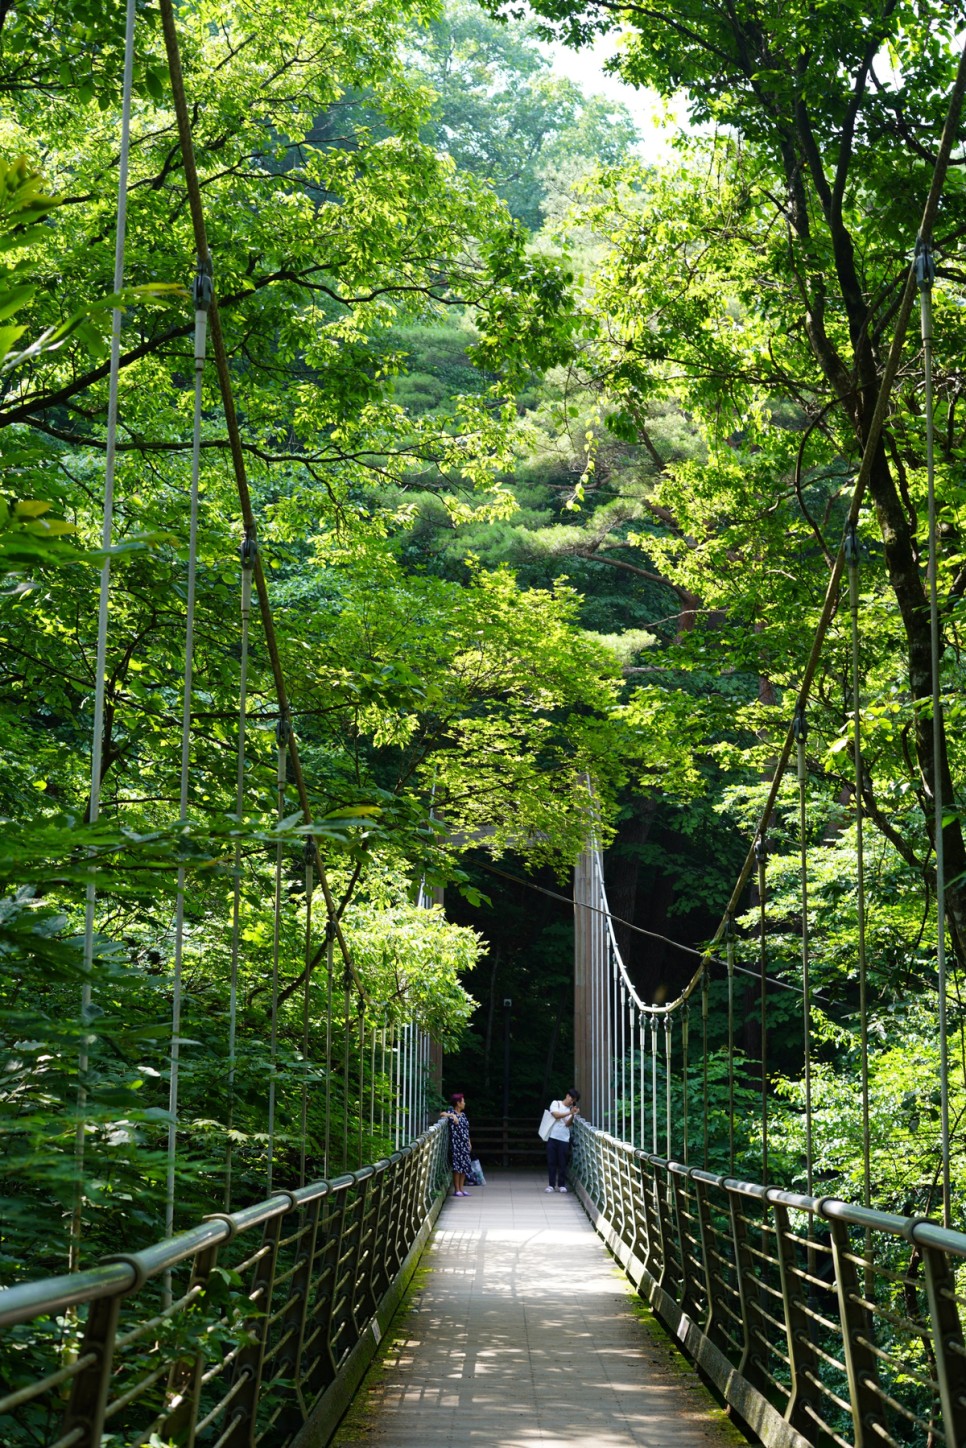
561, 1189
548, 1189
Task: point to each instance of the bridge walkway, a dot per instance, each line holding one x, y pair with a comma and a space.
521, 1330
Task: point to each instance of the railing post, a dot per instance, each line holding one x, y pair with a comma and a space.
947, 1332
857, 1332
326, 1366
184, 1376
639, 1190
708, 1252
688, 1298
89, 1392
744, 1261
805, 1362
357, 1290
628, 1173
655, 1227
413, 1175
379, 1276
665, 1280
240, 1430
398, 1169
296, 1316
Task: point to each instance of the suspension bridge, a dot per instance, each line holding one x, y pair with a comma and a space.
817, 1321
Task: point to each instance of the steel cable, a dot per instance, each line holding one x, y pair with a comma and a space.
246, 559
685, 1062
926, 274
282, 736
100, 666
761, 855
801, 734
852, 560
202, 300
306, 988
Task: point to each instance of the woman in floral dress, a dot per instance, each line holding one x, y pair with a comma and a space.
460, 1146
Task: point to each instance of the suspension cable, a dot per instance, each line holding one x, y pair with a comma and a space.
668, 1029
631, 1023
247, 560
282, 733
362, 1077
641, 1032
926, 272
730, 951
202, 294
306, 989
801, 735
372, 1090
761, 855
685, 1060
100, 667
654, 1084
622, 998
346, 1062
852, 559
705, 1102
701, 956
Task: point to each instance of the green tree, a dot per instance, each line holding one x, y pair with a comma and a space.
761, 291
501, 114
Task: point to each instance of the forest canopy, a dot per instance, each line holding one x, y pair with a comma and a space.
550, 449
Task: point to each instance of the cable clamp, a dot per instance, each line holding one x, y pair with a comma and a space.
248, 550
925, 265
851, 546
203, 286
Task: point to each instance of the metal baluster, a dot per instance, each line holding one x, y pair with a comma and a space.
667, 1070
654, 1083
623, 1063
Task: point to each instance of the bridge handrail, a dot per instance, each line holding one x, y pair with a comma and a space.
287, 1328
848, 1329
912, 1229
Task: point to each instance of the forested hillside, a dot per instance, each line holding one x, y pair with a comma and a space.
550, 450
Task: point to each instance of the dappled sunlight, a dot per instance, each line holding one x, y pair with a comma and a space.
524, 1332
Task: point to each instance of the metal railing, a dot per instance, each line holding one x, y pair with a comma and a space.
819, 1322
254, 1327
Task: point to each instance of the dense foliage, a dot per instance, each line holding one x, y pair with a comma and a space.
429, 711
750, 290
550, 451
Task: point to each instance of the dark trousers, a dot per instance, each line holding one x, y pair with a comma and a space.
557, 1153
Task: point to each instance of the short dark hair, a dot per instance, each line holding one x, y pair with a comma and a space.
574, 1094
456, 1096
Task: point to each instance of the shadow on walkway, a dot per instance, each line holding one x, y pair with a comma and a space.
520, 1329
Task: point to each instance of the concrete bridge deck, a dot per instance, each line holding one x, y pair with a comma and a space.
521, 1330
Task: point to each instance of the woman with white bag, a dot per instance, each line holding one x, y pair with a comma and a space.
564, 1114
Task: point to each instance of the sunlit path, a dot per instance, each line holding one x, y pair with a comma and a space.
521, 1331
